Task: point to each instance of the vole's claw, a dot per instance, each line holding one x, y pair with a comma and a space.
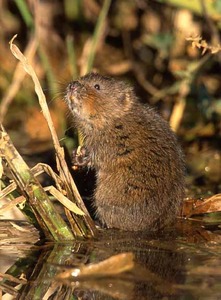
80, 157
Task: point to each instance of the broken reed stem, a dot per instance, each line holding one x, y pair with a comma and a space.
84, 224
45, 213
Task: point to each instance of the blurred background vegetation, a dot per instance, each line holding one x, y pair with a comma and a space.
167, 49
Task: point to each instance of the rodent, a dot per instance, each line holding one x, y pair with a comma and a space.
138, 161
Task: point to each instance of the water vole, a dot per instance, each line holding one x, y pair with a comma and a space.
138, 162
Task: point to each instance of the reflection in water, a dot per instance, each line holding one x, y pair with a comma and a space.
166, 267
156, 270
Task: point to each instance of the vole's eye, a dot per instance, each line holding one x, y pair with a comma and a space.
97, 87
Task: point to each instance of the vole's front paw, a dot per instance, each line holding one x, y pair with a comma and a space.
80, 157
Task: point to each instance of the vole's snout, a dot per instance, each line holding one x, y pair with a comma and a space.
73, 87
71, 93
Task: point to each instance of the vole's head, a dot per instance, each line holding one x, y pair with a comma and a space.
98, 99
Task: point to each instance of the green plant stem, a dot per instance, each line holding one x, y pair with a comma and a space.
72, 56
97, 34
23, 8
49, 71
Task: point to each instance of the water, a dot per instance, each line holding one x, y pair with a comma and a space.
177, 264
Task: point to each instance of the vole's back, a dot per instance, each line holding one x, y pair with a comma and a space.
139, 164
140, 178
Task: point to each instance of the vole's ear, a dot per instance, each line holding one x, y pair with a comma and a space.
125, 98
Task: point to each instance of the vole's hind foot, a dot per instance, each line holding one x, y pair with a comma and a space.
80, 157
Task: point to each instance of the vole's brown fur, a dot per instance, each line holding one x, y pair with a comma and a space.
138, 162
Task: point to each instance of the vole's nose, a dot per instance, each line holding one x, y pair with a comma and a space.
73, 86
